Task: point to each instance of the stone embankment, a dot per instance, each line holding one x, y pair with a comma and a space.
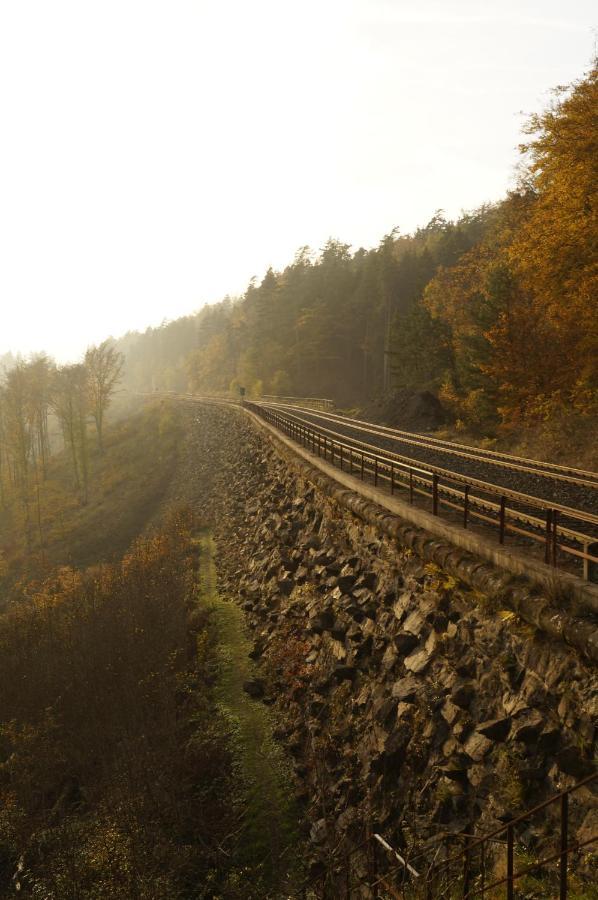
412, 702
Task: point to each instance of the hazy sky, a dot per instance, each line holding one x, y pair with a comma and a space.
154, 155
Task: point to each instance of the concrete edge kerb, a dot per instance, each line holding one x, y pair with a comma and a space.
455, 551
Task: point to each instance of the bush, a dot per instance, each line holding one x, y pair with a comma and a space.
113, 761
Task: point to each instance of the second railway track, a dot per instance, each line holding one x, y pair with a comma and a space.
544, 509
575, 488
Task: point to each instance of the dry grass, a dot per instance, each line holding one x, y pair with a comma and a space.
127, 484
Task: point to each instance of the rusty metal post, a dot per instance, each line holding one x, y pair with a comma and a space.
348, 875
466, 861
375, 471
483, 867
435, 494
410, 485
555, 518
362, 465
510, 861
564, 842
392, 478
465, 505
501, 521
548, 531
332, 452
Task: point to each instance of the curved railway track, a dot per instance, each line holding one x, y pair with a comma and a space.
534, 502
550, 483
549, 510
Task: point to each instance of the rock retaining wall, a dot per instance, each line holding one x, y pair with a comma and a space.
415, 699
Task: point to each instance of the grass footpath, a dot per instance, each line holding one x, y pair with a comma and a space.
267, 848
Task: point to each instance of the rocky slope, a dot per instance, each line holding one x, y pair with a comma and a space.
412, 703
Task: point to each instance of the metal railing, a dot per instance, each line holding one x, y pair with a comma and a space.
472, 872
485, 866
307, 402
427, 442
549, 524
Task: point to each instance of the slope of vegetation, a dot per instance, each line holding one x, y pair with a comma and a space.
132, 763
44, 523
495, 312
266, 861
114, 769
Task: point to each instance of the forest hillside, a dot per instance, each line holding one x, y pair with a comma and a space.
494, 313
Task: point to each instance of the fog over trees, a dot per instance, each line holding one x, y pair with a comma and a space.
33, 391
494, 312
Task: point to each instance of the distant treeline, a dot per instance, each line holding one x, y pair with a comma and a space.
33, 390
496, 312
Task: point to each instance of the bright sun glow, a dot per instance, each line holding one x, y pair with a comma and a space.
156, 155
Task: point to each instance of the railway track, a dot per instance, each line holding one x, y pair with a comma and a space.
567, 486
535, 502
550, 510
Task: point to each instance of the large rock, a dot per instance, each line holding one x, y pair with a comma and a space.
495, 729
344, 673
450, 712
462, 693
419, 661
405, 642
526, 726
415, 622
285, 586
407, 408
572, 762
477, 746
324, 621
406, 688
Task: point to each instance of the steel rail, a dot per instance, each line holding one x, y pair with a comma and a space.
387, 466
372, 462
483, 503
488, 487
301, 402
522, 817
495, 507
465, 855
489, 506
492, 457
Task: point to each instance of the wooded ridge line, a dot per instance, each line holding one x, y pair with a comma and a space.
494, 314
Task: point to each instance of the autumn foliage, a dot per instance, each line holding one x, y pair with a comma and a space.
113, 761
521, 305
495, 312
